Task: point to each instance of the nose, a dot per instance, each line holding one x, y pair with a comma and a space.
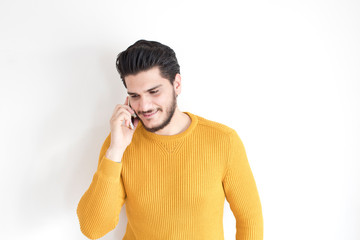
145, 105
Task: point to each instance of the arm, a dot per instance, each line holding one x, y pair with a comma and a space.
99, 208
241, 192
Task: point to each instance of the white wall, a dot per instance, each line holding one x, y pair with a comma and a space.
284, 74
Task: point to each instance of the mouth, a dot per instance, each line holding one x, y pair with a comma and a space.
149, 115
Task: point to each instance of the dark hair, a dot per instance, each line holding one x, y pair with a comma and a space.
143, 55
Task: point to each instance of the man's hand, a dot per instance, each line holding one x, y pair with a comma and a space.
121, 130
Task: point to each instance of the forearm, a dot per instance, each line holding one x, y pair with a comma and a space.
99, 208
242, 194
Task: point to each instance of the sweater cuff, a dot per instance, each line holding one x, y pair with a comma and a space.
110, 168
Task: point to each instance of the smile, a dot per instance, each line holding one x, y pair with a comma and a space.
149, 115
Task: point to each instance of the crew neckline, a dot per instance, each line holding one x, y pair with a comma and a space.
154, 136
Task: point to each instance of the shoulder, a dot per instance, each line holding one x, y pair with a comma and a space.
215, 134
218, 133
214, 128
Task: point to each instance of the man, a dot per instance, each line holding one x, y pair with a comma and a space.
172, 169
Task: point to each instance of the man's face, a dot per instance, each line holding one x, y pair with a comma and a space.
152, 97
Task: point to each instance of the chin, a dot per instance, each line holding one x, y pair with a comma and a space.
153, 123
156, 124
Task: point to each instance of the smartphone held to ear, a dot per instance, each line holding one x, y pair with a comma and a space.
132, 121
133, 116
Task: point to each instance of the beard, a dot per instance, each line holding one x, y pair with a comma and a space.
169, 115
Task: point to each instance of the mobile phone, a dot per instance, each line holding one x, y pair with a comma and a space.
133, 116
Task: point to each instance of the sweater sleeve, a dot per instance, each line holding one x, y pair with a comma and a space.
241, 192
99, 208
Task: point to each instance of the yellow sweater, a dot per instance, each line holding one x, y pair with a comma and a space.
174, 187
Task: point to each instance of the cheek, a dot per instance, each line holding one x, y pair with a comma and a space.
135, 106
162, 101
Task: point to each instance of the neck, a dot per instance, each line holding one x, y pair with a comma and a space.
179, 123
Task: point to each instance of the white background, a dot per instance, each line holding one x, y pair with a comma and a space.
284, 74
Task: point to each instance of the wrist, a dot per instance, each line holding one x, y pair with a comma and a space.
114, 154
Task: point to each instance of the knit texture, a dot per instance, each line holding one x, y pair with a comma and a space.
174, 187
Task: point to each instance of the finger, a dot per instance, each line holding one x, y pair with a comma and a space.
127, 121
127, 100
128, 124
119, 106
122, 114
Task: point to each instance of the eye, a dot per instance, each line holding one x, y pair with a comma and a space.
152, 92
134, 96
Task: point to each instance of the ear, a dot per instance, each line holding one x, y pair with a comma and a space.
177, 84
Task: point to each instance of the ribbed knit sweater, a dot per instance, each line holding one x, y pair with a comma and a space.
174, 187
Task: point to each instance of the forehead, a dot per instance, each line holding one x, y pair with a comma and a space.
145, 80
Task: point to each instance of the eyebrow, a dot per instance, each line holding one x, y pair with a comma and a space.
150, 89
